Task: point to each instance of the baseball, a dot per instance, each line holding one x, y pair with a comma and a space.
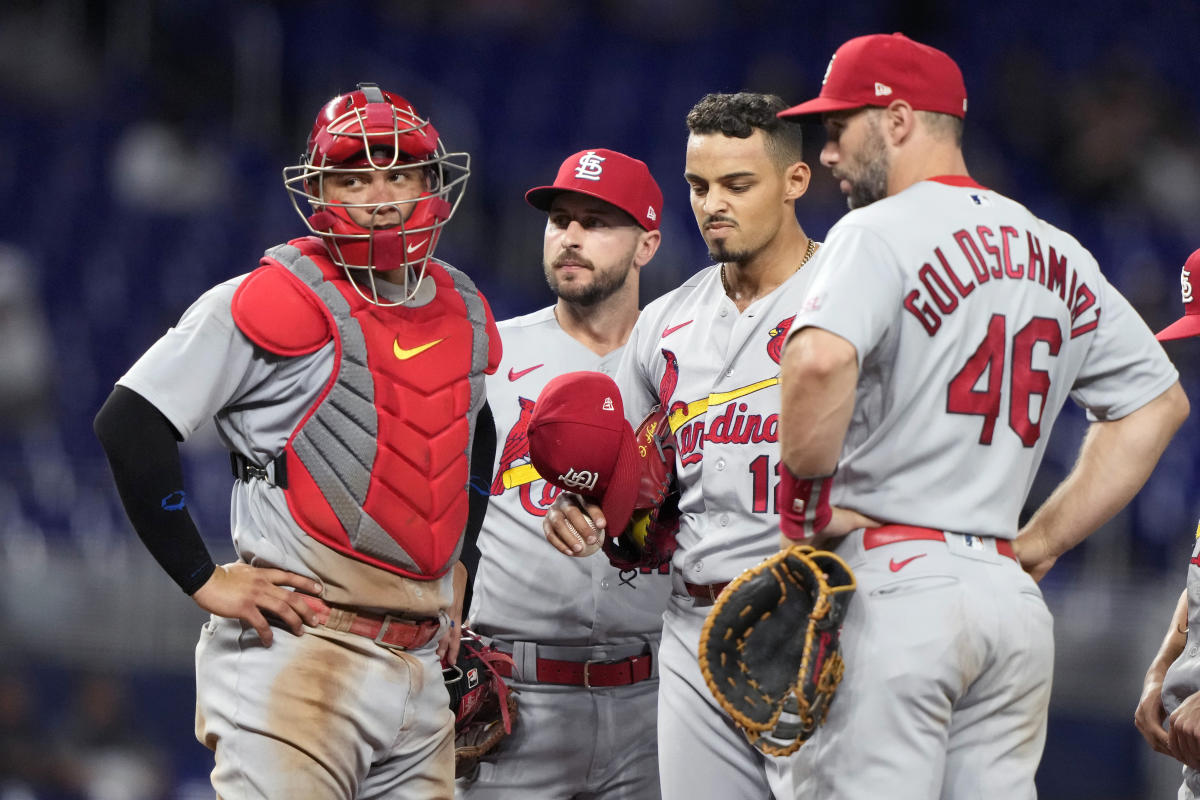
588, 549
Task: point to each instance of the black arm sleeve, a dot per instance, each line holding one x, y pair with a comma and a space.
141, 445
483, 455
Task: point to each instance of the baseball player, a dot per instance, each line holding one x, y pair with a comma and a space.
936, 347
345, 375
583, 634
709, 351
1171, 688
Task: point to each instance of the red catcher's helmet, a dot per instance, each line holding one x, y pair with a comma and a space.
370, 129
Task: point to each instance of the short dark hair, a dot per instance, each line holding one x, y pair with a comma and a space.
739, 114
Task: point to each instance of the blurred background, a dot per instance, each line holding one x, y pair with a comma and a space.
141, 144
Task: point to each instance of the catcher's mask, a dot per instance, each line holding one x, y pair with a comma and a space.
361, 132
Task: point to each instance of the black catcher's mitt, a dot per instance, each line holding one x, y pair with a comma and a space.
769, 648
484, 707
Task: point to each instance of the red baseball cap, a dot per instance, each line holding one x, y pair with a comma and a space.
1189, 323
877, 69
609, 176
580, 441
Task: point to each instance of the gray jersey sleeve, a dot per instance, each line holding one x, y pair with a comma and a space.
1125, 366
197, 367
858, 298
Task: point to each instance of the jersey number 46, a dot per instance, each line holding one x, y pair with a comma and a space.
962, 396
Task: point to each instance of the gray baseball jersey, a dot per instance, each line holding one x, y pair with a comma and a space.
973, 322
524, 588
565, 608
718, 372
972, 327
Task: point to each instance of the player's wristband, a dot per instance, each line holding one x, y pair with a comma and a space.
804, 509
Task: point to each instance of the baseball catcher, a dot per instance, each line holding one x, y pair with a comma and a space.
484, 707
769, 648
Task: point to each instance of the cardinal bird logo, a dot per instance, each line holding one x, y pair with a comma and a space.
516, 446
778, 336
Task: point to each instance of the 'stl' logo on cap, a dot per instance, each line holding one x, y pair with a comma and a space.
580, 479
1185, 280
589, 168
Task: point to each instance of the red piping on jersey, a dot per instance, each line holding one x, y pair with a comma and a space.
957, 180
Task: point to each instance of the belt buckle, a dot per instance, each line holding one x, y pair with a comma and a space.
388, 619
587, 671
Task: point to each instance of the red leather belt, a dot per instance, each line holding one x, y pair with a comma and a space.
705, 593
890, 534
591, 674
384, 629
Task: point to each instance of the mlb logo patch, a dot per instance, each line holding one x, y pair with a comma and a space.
973, 542
472, 677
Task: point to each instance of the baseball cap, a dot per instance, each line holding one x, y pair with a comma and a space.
580, 441
877, 69
1189, 323
609, 176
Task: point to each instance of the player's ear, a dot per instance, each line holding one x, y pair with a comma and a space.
796, 179
898, 122
647, 246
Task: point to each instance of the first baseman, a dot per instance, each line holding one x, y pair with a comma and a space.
583, 634
709, 352
346, 377
927, 364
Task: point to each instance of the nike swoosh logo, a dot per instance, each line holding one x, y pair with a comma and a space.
896, 566
513, 374
668, 331
404, 355
412, 248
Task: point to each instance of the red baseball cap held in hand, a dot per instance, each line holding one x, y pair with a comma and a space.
609, 176
580, 441
877, 69
1189, 323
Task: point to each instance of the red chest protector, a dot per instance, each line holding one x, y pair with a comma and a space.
378, 468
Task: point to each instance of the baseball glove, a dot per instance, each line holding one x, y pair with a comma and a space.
769, 648
649, 539
484, 707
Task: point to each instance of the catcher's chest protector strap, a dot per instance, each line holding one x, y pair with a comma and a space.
378, 468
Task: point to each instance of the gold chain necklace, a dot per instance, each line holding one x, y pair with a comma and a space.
808, 253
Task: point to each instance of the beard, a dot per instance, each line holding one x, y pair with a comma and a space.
720, 253
603, 285
871, 184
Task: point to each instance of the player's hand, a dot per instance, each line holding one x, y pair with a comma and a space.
1184, 735
1034, 553
842, 522
1150, 715
241, 591
574, 526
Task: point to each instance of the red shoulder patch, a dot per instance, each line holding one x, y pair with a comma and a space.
279, 313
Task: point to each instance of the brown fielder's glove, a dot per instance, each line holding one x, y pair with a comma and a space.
769, 648
649, 539
484, 707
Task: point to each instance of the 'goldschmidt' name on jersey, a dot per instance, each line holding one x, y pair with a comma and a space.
944, 282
